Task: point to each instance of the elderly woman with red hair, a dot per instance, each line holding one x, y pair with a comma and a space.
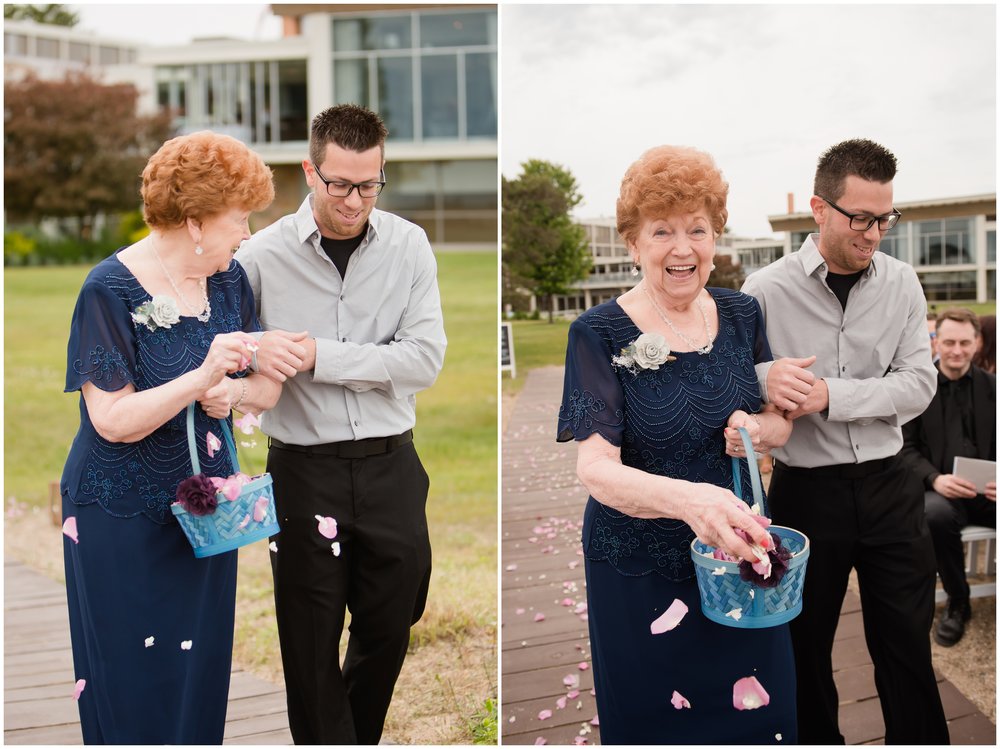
158, 325
657, 381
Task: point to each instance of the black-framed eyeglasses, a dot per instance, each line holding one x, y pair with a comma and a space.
340, 189
862, 221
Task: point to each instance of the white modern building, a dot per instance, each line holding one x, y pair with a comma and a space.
430, 71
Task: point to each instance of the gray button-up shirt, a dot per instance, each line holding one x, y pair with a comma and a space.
379, 333
875, 355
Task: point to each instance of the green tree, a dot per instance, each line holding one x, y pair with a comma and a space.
544, 251
74, 149
56, 15
727, 274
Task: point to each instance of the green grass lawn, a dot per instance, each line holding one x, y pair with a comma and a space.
456, 436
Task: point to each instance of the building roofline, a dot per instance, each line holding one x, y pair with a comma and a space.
989, 198
295, 10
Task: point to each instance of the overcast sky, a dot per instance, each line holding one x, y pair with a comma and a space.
764, 89
162, 24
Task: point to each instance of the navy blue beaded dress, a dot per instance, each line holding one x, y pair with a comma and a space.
669, 422
151, 625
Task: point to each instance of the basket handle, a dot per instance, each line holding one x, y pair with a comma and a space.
758, 490
227, 435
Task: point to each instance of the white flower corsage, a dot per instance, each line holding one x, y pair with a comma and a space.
648, 351
159, 312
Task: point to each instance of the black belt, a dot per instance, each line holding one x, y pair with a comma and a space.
350, 449
842, 471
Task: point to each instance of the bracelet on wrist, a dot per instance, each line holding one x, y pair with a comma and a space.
243, 395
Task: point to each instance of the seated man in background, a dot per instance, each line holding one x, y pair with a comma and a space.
960, 421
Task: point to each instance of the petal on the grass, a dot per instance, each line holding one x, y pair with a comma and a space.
539, 617
749, 694
69, 530
545, 715
186, 645
150, 641
327, 527
669, 618
213, 444
679, 701
81, 684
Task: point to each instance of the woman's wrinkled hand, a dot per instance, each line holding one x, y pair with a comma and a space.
227, 354
217, 400
734, 441
713, 513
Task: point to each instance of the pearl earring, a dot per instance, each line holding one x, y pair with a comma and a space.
198, 250
635, 270
713, 267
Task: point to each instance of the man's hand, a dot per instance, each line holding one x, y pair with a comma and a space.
281, 354
991, 491
950, 486
817, 400
789, 382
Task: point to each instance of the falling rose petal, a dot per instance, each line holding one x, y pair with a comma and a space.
573, 694
251, 346
245, 521
186, 645
719, 571
519, 612
327, 527
568, 602
583, 665
273, 546
69, 530
594, 721
150, 641
669, 618
545, 715
540, 741
335, 546
539, 617
561, 703
510, 567
230, 488
81, 684
571, 680
679, 701
260, 509
749, 694
247, 423
213, 444
735, 614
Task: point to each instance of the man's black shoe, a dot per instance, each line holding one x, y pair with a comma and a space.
951, 625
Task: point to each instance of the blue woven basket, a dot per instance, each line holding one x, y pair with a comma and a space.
723, 594
221, 531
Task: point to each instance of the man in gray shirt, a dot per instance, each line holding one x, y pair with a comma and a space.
850, 321
361, 286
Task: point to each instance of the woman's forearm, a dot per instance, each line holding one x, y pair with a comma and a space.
261, 394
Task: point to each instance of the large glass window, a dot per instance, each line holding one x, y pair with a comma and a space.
79, 52
457, 29
377, 32
896, 243
948, 242
991, 245
15, 45
439, 89
395, 96
481, 94
109, 55
949, 285
47, 48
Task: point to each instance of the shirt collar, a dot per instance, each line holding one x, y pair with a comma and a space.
943, 380
813, 259
308, 231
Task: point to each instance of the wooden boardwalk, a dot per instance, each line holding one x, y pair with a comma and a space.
38, 674
542, 578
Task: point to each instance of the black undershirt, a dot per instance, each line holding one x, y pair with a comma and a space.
340, 250
841, 284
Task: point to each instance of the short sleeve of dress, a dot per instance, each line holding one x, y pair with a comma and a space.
102, 344
593, 400
248, 306
761, 348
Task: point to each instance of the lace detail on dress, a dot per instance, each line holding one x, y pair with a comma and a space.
105, 365
672, 425
582, 408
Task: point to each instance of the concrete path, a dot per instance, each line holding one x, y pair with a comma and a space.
545, 642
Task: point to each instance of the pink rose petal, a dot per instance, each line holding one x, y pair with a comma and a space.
519, 612
244, 522
545, 715
573, 694
260, 509
580, 741
335, 547
510, 567
540, 741
212, 443
539, 617
583, 665
568, 602
251, 346
679, 701
669, 618
561, 703
571, 680
327, 527
230, 488
69, 529
247, 423
81, 684
749, 694
594, 721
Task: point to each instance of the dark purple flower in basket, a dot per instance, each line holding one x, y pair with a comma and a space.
197, 495
779, 556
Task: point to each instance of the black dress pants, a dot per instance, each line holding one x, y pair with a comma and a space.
946, 518
381, 576
870, 517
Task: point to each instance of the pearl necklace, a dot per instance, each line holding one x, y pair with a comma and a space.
704, 316
206, 313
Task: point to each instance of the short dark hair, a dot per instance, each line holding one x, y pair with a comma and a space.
960, 315
349, 126
852, 158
